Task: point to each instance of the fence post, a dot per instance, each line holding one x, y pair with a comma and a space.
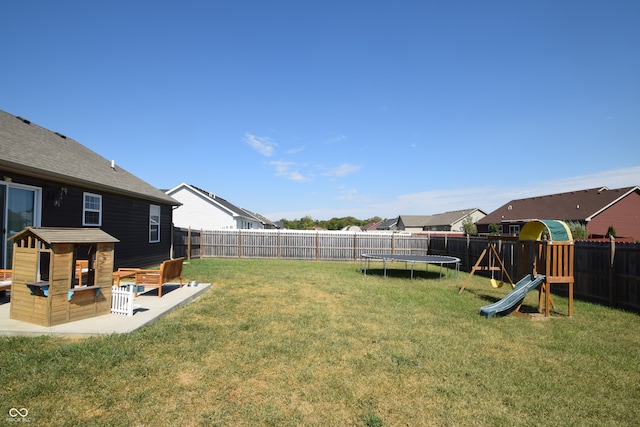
201, 243
468, 252
189, 243
612, 293
355, 246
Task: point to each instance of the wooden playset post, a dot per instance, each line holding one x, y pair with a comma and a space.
558, 270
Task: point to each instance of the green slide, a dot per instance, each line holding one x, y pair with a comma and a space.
526, 284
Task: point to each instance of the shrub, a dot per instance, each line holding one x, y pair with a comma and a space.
578, 230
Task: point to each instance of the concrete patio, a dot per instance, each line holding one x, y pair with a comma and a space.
147, 309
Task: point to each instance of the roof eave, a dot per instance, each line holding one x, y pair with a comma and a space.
631, 190
65, 179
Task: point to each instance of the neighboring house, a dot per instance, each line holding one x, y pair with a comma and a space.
202, 210
448, 221
267, 224
352, 228
50, 180
596, 208
388, 225
372, 226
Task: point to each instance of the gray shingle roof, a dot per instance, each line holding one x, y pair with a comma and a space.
441, 219
32, 150
237, 211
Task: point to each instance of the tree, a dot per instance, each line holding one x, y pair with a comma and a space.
307, 223
494, 230
578, 230
469, 227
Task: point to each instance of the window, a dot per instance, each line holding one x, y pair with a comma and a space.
514, 229
154, 223
92, 209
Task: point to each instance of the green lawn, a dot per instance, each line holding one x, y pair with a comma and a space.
287, 343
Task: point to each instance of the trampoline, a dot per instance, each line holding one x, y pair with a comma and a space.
441, 260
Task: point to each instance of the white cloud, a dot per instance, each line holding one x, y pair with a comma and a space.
488, 198
343, 170
296, 150
616, 178
347, 194
262, 144
285, 170
335, 139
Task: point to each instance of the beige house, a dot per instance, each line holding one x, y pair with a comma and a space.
449, 221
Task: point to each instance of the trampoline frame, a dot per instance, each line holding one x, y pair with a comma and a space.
365, 260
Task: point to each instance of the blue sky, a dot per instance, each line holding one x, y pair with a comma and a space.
338, 108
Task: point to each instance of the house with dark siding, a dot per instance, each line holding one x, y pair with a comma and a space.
597, 209
50, 180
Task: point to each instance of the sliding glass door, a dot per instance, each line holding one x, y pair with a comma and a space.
20, 209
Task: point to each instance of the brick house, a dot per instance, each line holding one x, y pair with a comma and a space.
596, 208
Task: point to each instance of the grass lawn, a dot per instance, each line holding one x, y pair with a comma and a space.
287, 343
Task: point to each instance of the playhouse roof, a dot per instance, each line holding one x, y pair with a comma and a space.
558, 230
52, 235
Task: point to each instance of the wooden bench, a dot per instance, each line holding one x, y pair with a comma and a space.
123, 273
169, 271
82, 269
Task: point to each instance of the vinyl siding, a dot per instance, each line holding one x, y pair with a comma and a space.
125, 218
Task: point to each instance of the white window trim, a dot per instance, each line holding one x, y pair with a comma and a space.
85, 210
152, 210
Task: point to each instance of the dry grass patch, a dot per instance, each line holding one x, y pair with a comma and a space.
311, 343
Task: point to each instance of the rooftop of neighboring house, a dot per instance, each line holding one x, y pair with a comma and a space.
238, 211
372, 226
446, 218
581, 205
264, 220
388, 224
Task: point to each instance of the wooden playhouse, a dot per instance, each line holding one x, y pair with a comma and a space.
61, 275
547, 248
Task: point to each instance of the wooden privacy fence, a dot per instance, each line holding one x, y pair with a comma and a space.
604, 272
290, 244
